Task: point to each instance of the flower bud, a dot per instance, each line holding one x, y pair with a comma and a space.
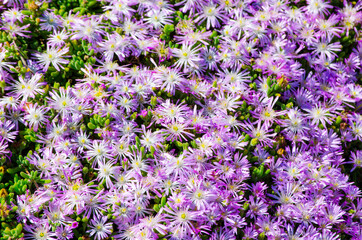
254, 142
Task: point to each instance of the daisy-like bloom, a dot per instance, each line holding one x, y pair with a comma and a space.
170, 112
229, 102
285, 194
333, 213
326, 50
121, 147
56, 213
238, 25
356, 160
138, 164
93, 204
98, 150
151, 139
12, 15
295, 122
28, 88
3, 147
15, 29
121, 8
178, 131
187, 56
172, 79
89, 29
136, 30
261, 132
64, 232
319, 114
267, 113
257, 207
100, 228
191, 38
58, 38
326, 26
62, 102
50, 21
351, 17
356, 129
82, 140
158, 18
3, 65
154, 223
180, 221
115, 44
5, 130
210, 58
199, 196
54, 56
317, 7
263, 85
40, 232
212, 14
178, 167
35, 116
129, 128
106, 171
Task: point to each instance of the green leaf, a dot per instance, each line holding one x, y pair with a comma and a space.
152, 149
246, 138
269, 81
26, 12
338, 121
156, 207
91, 126
254, 142
163, 201
24, 175
168, 29
143, 151
179, 144
180, 14
153, 101
45, 181
91, 3
19, 228
13, 170
138, 142
277, 129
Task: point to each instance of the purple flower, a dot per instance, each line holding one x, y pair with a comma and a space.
356, 160
99, 228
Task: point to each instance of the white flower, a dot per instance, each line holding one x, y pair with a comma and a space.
4, 65
295, 121
100, 228
35, 116
158, 19
61, 102
98, 150
28, 88
52, 56
41, 232
319, 114
106, 171
57, 39
187, 57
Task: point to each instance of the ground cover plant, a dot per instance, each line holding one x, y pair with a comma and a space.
169, 119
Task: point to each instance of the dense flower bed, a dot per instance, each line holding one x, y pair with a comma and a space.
168, 119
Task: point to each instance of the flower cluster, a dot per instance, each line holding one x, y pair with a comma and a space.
220, 119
